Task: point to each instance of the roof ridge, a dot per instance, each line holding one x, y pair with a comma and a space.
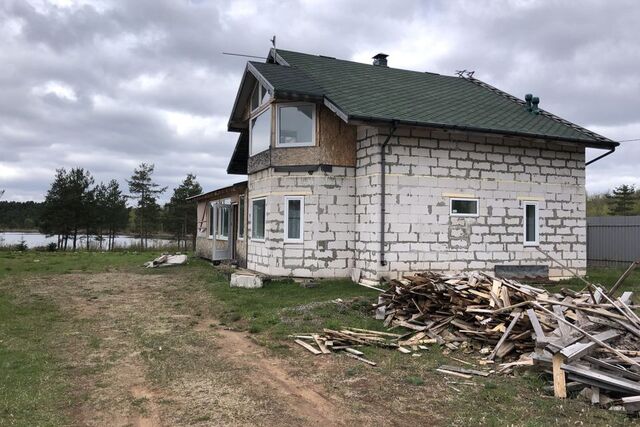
545, 113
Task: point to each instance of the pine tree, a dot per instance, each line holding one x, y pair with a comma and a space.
180, 214
622, 200
145, 191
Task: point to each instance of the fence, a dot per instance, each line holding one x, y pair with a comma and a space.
613, 241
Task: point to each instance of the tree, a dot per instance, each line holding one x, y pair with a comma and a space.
622, 200
145, 191
67, 205
597, 205
180, 214
115, 211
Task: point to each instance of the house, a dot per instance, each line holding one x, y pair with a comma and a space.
378, 171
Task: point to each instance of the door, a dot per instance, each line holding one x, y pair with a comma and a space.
222, 224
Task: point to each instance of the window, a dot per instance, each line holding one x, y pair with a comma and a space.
463, 207
258, 219
531, 224
222, 222
259, 96
293, 218
260, 135
296, 125
241, 218
211, 216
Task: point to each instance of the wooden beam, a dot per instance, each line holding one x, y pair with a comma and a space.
559, 380
516, 317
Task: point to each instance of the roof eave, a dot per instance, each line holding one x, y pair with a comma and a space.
605, 144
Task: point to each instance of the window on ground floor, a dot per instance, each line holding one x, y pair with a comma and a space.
531, 223
463, 207
241, 218
258, 218
222, 228
293, 218
211, 219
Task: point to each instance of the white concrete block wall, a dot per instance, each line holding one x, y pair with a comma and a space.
329, 211
425, 168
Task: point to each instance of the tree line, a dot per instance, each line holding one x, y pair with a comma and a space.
624, 200
76, 208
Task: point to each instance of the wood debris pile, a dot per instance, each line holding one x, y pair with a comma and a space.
587, 340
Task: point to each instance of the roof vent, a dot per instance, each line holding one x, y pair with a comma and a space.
532, 103
380, 60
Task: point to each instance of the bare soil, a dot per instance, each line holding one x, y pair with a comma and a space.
146, 350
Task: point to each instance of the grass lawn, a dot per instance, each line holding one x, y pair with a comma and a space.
36, 384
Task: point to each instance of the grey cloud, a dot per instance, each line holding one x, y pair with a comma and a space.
581, 58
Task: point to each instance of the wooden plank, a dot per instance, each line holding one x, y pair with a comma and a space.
362, 359
559, 380
404, 350
577, 350
309, 347
464, 370
537, 328
455, 374
622, 383
595, 395
516, 317
353, 351
321, 345
565, 331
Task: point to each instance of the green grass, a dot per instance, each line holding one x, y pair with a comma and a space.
605, 277
14, 263
284, 307
33, 383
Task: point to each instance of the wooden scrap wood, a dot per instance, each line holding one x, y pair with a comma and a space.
321, 345
456, 374
307, 346
537, 328
516, 317
464, 370
353, 351
599, 376
577, 350
404, 350
362, 359
559, 379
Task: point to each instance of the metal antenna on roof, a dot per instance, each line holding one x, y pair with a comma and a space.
273, 41
465, 73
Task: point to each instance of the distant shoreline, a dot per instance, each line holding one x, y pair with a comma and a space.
35, 231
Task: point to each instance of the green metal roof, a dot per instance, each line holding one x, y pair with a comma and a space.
376, 93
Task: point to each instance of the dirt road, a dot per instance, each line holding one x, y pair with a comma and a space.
145, 350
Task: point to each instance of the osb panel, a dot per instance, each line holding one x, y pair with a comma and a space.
337, 139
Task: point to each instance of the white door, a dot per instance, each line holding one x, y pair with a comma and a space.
222, 244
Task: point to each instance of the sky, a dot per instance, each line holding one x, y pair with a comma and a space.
106, 85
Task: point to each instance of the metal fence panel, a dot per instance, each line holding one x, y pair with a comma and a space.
613, 240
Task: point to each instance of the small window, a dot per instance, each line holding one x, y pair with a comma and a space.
258, 218
294, 218
296, 125
463, 207
260, 134
531, 224
211, 219
241, 218
222, 222
259, 96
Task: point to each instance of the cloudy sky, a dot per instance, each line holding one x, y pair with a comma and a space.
106, 85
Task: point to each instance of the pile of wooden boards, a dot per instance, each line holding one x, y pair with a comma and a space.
588, 337
167, 260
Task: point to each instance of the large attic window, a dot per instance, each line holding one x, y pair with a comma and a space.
296, 125
259, 96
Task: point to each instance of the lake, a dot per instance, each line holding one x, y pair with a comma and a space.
34, 239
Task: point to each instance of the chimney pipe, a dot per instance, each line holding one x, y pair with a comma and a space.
527, 99
535, 101
380, 60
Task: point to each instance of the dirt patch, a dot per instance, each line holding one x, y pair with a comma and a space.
143, 352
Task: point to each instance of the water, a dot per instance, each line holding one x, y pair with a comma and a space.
35, 239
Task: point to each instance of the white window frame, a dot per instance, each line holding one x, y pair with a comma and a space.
220, 222
242, 211
210, 220
464, 199
313, 125
536, 206
258, 87
286, 219
258, 113
257, 239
